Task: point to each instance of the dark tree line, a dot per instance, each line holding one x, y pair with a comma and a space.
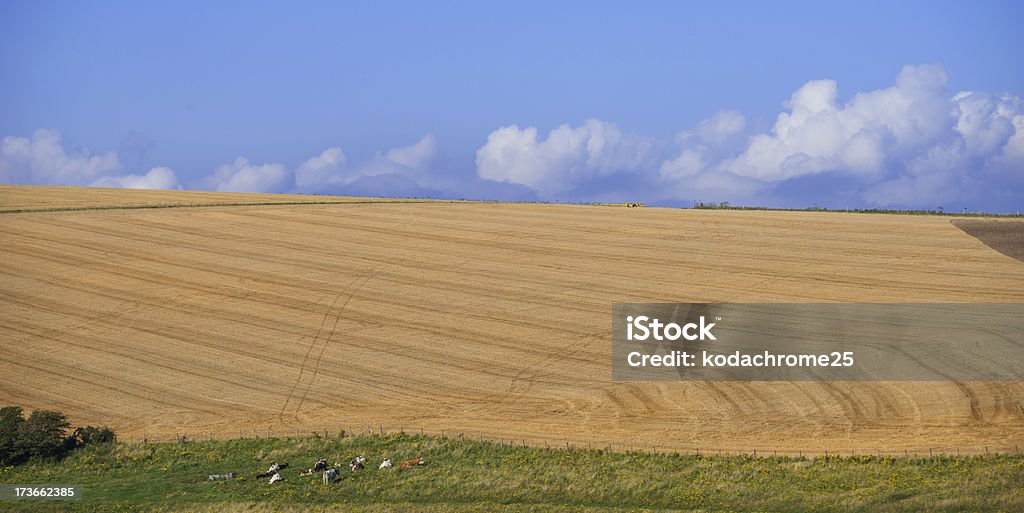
44, 434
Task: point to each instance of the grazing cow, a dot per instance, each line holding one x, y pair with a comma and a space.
330, 475
418, 462
275, 478
386, 464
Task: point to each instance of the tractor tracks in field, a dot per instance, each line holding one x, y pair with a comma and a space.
308, 371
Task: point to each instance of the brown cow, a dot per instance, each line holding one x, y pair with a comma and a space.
418, 462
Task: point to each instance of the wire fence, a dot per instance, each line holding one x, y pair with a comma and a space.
570, 445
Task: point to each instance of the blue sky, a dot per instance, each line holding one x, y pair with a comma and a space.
852, 104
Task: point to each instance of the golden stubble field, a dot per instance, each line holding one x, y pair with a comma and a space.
486, 319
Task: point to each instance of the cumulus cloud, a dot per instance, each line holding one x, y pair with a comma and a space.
156, 178
329, 172
707, 143
415, 156
43, 160
568, 156
913, 144
321, 171
863, 136
243, 176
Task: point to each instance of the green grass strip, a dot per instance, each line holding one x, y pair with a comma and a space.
468, 475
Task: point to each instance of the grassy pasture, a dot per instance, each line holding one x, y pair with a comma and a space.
464, 475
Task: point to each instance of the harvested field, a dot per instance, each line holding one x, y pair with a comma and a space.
1004, 236
49, 198
479, 318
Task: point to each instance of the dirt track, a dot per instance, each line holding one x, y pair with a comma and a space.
483, 318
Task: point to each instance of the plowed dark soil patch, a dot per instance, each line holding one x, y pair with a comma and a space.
1006, 237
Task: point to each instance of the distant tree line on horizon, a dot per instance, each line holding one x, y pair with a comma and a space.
43, 435
940, 210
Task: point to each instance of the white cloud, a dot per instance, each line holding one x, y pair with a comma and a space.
243, 176
819, 135
42, 160
1013, 151
329, 171
567, 158
414, 156
322, 170
706, 144
156, 178
912, 144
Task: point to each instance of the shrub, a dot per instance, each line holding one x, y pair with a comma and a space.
43, 435
91, 435
11, 419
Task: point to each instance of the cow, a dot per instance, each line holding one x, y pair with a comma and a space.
272, 470
320, 465
275, 478
418, 462
386, 464
330, 475
357, 464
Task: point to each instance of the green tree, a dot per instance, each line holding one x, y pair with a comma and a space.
43, 434
11, 419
